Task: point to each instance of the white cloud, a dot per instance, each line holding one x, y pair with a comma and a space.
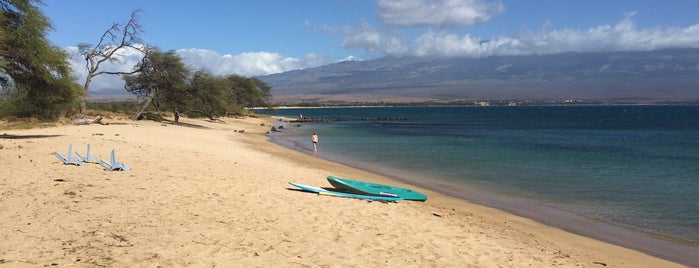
246, 64
438, 13
366, 36
623, 36
350, 58
249, 63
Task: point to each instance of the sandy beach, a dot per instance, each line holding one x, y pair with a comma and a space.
216, 194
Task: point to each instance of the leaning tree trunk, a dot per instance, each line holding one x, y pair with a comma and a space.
83, 98
147, 102
83, 107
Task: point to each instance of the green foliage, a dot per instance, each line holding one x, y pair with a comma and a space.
55, 100
163, 82
208, 95
214, 96
35, 77
249, 92
162, 77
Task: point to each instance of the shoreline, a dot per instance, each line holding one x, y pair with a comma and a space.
676, 249
209, 194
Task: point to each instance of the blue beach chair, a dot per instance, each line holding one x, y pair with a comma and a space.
69, 159
114, 165
88, 157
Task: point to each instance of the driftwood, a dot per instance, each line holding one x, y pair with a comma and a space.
87, 121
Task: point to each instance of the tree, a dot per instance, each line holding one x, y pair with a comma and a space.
249, 92
222, 96
115, 39
208, 95
34, 75
161, 75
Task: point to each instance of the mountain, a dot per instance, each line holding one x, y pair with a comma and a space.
644, 76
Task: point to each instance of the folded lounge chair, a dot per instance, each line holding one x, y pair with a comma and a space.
69, 159
88, 157
114, 165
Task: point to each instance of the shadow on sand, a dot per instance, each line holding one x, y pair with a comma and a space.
20, 137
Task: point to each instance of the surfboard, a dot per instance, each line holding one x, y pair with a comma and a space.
368, 188
322, 191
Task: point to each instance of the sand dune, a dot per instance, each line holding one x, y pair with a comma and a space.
207, 195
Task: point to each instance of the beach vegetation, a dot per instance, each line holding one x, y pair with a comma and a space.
249, 92
215, 96
165, 84
162, 77
24, 123
35, 77
202, 95
208, 96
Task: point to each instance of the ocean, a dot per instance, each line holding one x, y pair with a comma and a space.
632, 166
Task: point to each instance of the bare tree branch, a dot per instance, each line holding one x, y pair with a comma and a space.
119, 73
112, 41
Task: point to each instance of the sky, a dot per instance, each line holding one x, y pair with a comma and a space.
271, 36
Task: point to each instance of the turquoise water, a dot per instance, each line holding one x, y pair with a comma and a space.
631, 166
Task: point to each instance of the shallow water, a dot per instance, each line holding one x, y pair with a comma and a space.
630, 166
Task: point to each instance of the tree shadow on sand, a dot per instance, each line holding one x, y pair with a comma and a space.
21, 137
185, 124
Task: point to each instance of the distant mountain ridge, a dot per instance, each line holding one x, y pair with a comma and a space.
108, 95
646, 76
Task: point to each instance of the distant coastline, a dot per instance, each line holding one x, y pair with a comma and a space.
477, 103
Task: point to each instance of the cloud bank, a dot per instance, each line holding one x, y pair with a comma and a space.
248, 63
437, 13
434, 41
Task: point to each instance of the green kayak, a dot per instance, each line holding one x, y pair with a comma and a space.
368, 188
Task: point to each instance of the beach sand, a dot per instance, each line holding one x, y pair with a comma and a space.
203, 194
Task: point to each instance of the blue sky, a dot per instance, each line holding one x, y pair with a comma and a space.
263, 37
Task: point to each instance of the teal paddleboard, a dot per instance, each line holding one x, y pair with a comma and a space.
322, 191
368, 188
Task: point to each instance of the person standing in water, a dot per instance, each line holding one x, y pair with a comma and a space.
314, 139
